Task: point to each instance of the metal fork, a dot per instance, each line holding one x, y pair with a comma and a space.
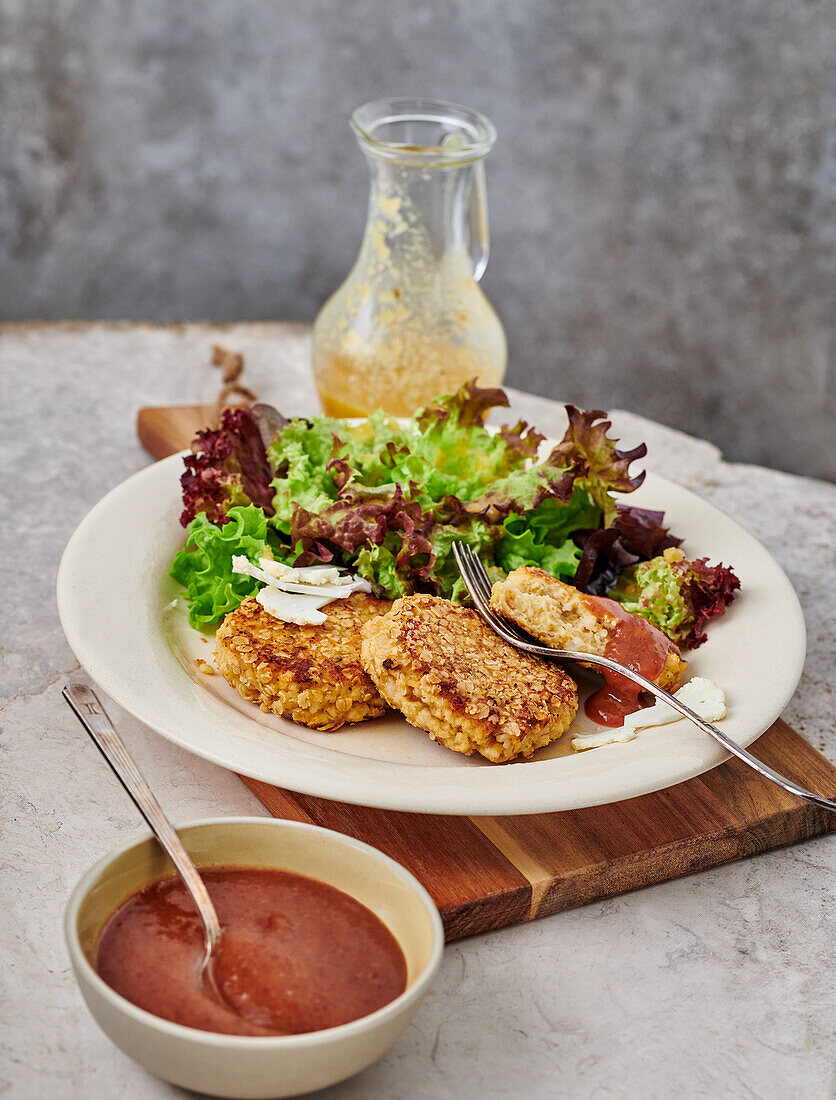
479, 586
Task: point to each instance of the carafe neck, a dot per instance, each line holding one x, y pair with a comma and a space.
419, 213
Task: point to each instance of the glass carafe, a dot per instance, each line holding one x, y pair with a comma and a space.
411, 321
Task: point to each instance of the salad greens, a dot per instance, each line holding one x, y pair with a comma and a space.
677, 595
204, 565
387, 499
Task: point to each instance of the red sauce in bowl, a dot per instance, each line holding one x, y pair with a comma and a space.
296, 954
635, 643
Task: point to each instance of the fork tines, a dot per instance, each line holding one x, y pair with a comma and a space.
478, 585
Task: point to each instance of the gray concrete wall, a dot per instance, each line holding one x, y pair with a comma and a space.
662, 191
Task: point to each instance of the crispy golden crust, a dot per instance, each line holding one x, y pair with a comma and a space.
450, 675
311, 674
561, 616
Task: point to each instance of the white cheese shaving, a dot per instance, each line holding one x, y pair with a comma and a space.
318, 574
332, 591
701, 695
240, 564
301, 610
310, 574
296, 595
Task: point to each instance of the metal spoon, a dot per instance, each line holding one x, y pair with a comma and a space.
89, 711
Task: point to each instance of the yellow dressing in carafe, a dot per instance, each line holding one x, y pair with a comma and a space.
410, 321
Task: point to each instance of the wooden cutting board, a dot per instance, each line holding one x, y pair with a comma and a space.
489, 872
164, 430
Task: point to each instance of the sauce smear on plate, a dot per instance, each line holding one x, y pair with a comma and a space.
295, 955
635, 643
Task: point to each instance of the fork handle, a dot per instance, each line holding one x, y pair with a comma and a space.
697, 719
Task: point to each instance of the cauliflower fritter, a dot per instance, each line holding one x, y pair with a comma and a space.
561, 616
311, 674
450, 675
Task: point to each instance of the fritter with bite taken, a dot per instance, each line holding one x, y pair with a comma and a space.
311, 674
561, 616
450, 675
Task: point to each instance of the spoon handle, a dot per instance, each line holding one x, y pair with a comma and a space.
89, 711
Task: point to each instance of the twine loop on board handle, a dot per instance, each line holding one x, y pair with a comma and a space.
233, 392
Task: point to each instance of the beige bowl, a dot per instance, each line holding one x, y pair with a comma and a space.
255, 1067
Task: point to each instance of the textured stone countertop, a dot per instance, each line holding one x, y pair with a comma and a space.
721, 984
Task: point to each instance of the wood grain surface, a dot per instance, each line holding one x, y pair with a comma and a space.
164, 430
489, 872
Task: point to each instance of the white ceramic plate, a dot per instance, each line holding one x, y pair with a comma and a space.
114, 597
